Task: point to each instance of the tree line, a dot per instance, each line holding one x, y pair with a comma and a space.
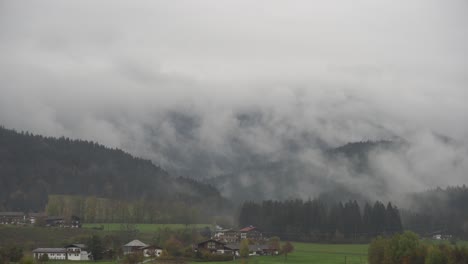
314, 220
439, 211
407, 248
32, 167
92, 209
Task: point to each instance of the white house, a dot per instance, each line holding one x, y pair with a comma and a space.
52, 253
70, 252
77, 252
152, 251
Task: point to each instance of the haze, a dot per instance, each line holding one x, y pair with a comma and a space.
201, 87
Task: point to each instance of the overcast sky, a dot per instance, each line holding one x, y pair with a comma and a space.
346, 71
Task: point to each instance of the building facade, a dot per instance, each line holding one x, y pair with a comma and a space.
77, 252
52, 253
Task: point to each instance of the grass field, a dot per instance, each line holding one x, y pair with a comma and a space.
81, 262
447, 242
144, 228
314, 253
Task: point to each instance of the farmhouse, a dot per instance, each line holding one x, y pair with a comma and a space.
22, 218
52, 253
34, 217
152, 251
12, 218
232, 236
133, 246
70, 252
254, 249
136, 246
77, 252
250, 232
226, 236
60, 221
213, 246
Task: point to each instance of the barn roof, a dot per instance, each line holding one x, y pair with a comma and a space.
49, 250
135, 243
76, 245
247, 229
211, 240
11, 214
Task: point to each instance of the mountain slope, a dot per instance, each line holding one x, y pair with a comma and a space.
33, 167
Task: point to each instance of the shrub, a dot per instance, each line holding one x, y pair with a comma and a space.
133, 258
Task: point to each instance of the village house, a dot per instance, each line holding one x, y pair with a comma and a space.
12, 218
60, 221
212, 246
232, 236
152, 251
133, 246
52, 253
136, 246
34, 217
250, 232
69, 252
226, 236
77, 252
16, 218
254, 250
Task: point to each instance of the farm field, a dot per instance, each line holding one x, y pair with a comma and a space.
435, 242
144, 228
314, 253
81, 262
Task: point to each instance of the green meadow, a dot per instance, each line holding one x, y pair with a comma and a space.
81, 262
144, 228
313, 253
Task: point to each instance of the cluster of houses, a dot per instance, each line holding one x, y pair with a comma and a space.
220, 248
235, 236
79, 251
227, 242
223, 242
21, 218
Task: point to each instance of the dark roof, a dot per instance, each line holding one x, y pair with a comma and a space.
152, 247
135, 243
236, 246
76, 245
49, 250
37, 214
258, 247
11, 214
223, 230
247, 229
51, 218
233, 246
211, 240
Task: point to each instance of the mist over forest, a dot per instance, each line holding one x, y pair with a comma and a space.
238, 101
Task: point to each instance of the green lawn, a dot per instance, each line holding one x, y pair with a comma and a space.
447, 242
308, 253
81, 262
144, 227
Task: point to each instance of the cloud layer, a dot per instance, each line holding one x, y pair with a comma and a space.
207, 88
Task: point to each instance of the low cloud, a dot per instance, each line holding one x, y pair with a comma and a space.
256, 91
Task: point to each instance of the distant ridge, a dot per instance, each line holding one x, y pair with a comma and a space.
33, 167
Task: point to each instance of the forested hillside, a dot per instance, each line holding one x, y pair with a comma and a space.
438, 211
316, 220
32, 167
